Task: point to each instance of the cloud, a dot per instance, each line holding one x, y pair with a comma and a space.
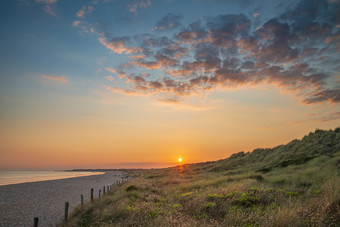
169, 22
147, 64
46, 1
194, 33
84, 10
135, 5
112, 70
294, 51
76, 23
109, 78
331, 117
59, 79
170, 100
161, 61
332, 38
49, 6
81, 13
118, 45
331, 95
224, 29
49, 9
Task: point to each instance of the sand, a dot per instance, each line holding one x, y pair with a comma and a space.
20, 203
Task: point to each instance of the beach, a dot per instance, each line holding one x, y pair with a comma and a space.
20, 203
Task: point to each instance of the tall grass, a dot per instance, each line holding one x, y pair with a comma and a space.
298, 194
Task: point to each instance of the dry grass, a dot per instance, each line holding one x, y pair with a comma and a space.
173, 199
306, 194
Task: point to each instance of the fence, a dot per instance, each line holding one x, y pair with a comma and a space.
108, 189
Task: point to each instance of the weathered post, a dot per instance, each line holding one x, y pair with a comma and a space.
99, 193
66, 210
81, 199
103, 190
107, 188
35, 223
91, 194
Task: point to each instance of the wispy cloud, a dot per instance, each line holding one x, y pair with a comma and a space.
49, 6
59, 79
76, 23
331, 117
84, 10
112, 70
109, 78
169, 22
135, 5
118, 45
46, 1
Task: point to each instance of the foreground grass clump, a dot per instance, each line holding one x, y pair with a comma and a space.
209, 194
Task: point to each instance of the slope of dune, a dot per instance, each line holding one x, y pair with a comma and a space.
296, 184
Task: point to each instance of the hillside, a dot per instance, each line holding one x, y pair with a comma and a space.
296, 152
296, 184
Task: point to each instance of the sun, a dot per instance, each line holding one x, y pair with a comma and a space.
180, 159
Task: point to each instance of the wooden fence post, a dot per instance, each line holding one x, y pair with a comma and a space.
82, 199
66, 210
99, 193
91, 194
35, 223
107, 188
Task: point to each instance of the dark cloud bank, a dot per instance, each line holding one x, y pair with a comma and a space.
297, 51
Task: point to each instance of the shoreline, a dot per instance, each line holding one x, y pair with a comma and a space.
20, 203
49, 178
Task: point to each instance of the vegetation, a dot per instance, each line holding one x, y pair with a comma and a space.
297, 184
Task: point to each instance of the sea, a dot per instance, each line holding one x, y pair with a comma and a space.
17, 177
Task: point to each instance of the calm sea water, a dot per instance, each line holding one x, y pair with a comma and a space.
16, 177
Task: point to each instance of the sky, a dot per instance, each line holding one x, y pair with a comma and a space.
140, 83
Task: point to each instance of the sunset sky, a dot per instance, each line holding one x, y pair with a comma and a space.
141, 83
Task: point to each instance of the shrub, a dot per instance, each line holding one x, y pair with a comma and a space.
131, 188
292, 194
210, 205
247, 199
257, 177
176, 205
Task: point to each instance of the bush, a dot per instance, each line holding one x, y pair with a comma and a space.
131, 188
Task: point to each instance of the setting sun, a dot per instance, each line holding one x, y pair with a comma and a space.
180, 159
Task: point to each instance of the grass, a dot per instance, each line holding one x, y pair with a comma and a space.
300, 192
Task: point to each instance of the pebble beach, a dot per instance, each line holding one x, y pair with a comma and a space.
20, 203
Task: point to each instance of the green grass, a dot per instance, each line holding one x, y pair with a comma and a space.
301, 190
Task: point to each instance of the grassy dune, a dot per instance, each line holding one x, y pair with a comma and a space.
297, 184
